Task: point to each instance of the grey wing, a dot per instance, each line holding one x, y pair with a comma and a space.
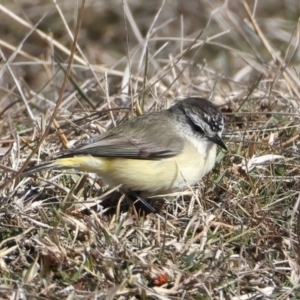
139, 144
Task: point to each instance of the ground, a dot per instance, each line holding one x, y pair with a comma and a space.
235, 235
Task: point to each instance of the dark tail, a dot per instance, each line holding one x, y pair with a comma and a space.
38, 168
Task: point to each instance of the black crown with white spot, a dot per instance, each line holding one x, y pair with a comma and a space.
202, 113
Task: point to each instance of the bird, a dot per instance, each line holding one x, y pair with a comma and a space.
153, 154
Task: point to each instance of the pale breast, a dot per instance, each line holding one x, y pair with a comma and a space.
165, 175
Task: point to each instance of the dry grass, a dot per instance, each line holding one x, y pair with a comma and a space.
235, 235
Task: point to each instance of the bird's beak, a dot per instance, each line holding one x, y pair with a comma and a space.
216, 139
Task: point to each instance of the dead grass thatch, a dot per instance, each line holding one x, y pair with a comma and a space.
235, 234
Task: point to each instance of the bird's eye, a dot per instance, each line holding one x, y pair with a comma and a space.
197, 128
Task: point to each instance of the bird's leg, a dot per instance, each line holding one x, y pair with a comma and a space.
142, 203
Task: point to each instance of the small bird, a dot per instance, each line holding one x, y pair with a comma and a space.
156, 153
